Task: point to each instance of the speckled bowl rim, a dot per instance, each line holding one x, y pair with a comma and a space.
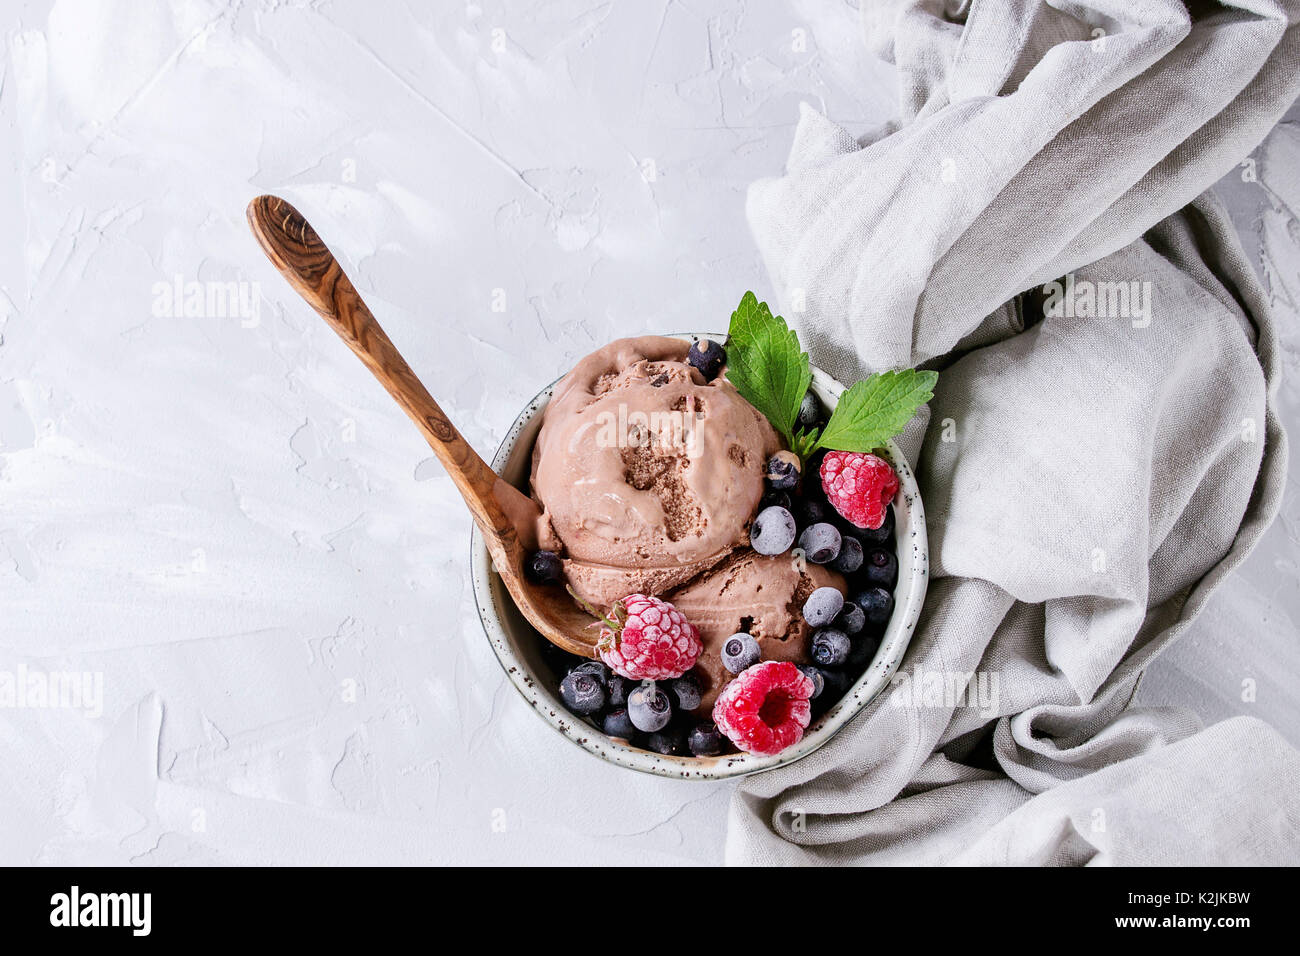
909, 595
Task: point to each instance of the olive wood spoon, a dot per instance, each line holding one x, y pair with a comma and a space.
506, 516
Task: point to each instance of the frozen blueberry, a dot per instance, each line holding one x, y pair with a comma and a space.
783, 471
879, 535
772, 498
836, 683
560, 662
670, 740
582, 693
810, 410
684, 692
877, 604
822, 606
850, 557
821, 542
881, 569
649, 708
618, 724
707, 356
830, 648
740, 651
596, 669
619, 687
814, 675
772, 531
852, 619
544, 567
863, 650
705, 739
808, 510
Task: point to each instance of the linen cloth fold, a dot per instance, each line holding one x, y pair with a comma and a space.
1102, 448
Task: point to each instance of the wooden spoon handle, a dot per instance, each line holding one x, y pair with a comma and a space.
301, 257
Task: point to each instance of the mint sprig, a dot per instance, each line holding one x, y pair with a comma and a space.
772, 373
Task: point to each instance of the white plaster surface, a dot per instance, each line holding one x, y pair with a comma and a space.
230, 521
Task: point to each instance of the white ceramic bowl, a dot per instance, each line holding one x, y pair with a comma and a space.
519, 648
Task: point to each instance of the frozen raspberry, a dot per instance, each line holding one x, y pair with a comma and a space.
645, 638
765, 708
859, 486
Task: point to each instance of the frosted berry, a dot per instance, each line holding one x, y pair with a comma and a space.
772, 531
851, 620
671, 740
850, 556
684, 692
705, 740
620, 687
645, 638
822, 606
835, 684
821, 542
740, 651
863, 650
830, 648
810, 511
877, 604
618, 724
765, 709
878, 536
881, 569
649, 708
860, 487
582, 693
595, 668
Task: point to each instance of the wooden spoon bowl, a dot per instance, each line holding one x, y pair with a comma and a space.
505, 515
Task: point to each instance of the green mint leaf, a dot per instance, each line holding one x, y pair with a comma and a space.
766, 364
747, 313
876, 409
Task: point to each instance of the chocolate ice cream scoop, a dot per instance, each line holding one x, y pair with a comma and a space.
648, 475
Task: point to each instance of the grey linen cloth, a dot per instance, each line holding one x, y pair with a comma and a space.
1090, 475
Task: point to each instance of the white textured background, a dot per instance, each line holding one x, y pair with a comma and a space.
232, 522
